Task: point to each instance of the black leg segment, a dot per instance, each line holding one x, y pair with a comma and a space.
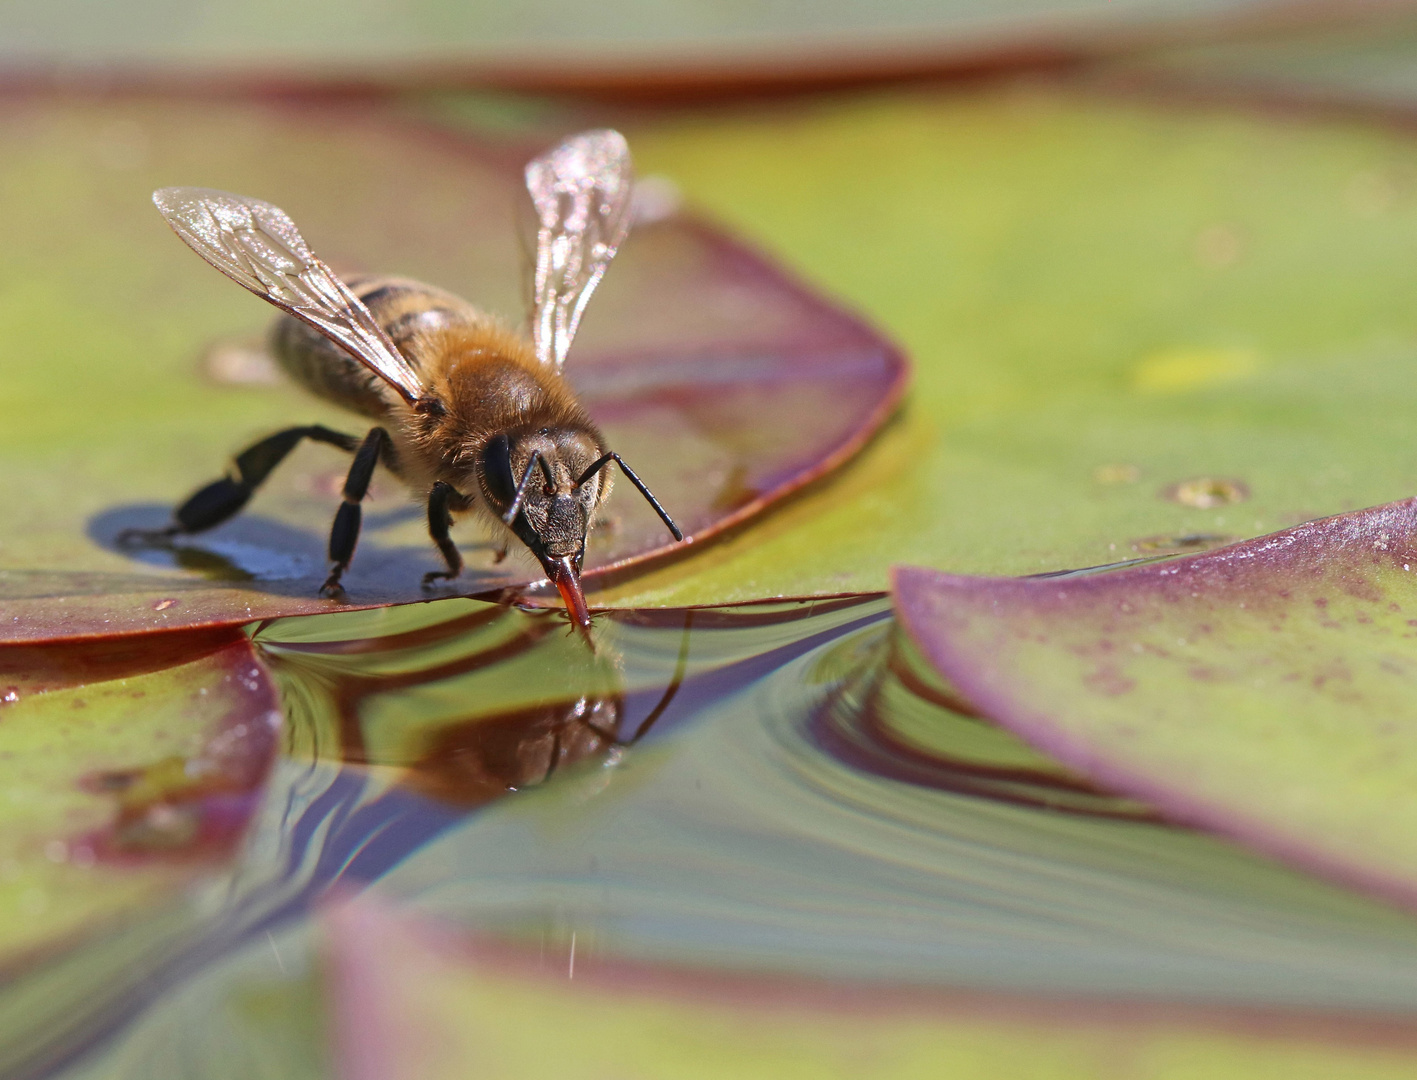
442, 501
345, 533
221, 500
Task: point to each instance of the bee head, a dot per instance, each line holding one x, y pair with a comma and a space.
529, 478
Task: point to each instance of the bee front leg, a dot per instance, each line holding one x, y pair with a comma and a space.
345, 532
221, 500
442, 500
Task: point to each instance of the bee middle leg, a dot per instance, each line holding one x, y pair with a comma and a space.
218, 501
442, 500
344, 534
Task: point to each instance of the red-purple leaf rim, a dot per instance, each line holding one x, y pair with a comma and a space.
1266, 691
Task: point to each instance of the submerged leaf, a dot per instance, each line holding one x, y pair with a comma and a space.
725, 384
1267, 691
121, 789
411, 997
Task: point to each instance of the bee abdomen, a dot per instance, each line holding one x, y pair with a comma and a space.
404, 308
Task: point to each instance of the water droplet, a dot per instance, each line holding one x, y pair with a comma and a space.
1175, 545
1207, 492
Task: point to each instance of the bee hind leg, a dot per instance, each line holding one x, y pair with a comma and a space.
218, 501
344, 534
442, 500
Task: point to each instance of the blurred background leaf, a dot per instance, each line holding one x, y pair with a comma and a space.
1367, 64
413, 999
637, 47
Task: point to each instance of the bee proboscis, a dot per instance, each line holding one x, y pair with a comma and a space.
469, 414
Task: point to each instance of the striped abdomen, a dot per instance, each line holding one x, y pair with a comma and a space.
403, 307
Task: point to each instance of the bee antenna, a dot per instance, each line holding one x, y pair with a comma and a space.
536, 458
640, 484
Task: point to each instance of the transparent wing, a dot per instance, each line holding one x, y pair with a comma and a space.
257, 245
582, 192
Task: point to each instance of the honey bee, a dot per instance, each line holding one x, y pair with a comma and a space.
471, 415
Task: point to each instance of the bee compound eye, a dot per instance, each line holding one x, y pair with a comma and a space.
497, 470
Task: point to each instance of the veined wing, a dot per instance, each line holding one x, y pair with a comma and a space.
582, 192
258, 246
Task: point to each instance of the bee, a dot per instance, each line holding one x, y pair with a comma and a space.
470, 415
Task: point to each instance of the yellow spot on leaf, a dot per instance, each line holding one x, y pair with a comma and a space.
1172, 371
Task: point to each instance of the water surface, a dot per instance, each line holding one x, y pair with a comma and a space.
768, 790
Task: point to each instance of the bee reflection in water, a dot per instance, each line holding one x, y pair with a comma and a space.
471, 759
480, 760
475, 762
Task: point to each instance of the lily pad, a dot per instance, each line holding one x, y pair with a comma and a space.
1367, 62
122, 792
631, 46
722, 381
1107, 301
1265, 691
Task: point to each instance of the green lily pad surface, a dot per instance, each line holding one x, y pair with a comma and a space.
126, 780
127, 380
1136, 326
1265, 691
